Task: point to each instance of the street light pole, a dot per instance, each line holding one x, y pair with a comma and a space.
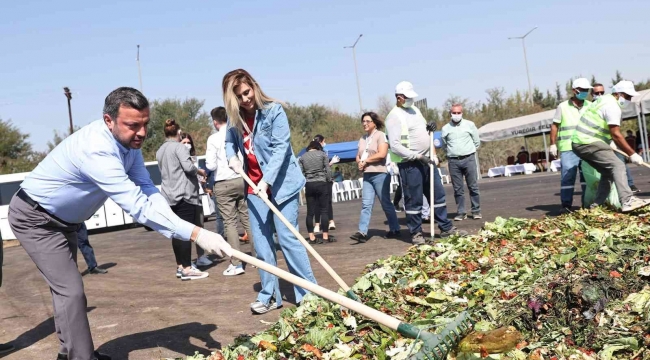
139, 70
68, 95
523, 42
356, 71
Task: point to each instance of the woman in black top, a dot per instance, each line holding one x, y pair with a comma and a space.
315, 166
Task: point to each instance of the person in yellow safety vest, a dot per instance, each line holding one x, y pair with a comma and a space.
599, 125
409, 143
564, 124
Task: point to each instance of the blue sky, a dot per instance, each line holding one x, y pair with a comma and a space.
295, 50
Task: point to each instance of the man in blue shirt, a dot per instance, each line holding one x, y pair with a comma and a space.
101, 160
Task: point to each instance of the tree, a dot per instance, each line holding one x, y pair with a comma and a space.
58, 138
617, 79
558, 93
16, 153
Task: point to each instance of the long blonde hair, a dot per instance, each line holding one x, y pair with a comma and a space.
230, 81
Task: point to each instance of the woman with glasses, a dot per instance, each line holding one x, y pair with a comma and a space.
371, 159
259, 130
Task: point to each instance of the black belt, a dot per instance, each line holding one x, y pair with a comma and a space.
22, 195
460, 157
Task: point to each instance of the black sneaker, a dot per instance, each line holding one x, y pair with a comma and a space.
634, 189
6, 348
62, 357
418, 239
97, 270
453, 231
358, 236
330, 238
565, 210
393, 234
97, 356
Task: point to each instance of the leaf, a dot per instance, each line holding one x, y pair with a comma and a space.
313, 350
608, 352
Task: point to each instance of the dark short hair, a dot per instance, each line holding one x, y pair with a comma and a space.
219, 115
597, 84
124, 96
314, 144
375, 119
319, 138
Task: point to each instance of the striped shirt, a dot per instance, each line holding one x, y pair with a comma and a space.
315, 165
178, 173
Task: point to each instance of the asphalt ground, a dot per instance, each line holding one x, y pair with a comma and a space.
140, 310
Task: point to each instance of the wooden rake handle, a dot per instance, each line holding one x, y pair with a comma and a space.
304, 242
626, 155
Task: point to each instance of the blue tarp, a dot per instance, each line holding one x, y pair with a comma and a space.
347, 151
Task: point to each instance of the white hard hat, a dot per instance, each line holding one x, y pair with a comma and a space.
625, 86
406, 88
581, 83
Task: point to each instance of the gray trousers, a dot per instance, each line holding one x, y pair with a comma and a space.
602, 158
52, 245
232, 204
465, 168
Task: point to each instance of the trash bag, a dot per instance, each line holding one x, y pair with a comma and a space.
592, 178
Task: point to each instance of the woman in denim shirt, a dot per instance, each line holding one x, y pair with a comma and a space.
259, 130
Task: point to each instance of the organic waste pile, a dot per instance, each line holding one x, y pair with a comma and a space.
574, 287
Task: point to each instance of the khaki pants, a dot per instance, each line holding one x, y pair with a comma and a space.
231, 203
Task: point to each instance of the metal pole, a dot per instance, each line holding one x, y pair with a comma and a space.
139, 70
641, 137
526, 143
432, 201
68, 95
523, 42
356, 72
548, 163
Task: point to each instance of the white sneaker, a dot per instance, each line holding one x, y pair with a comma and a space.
193, 274
233, 270
332, 226
317, 229
203, 261
634, 203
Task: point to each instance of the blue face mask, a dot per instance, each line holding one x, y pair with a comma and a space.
582, 95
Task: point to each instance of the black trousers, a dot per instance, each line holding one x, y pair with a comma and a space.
330, 212
183, 249
317, 204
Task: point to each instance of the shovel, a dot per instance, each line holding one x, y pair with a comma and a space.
435, 347
627, 156
304, 242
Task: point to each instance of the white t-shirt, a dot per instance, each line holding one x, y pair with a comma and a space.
611, 113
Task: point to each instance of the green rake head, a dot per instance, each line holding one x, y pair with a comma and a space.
438, 346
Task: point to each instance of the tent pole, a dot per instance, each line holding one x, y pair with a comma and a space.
644, 134
548, 162
526, 143
641, 137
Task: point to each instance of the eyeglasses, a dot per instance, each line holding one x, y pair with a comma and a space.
598, 92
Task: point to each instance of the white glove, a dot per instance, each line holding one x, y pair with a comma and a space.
335, 159
553, 150
636, 159
262, 188
235, 164
613, 145
213, 243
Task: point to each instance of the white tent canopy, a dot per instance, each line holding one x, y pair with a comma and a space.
529, 125
640, 104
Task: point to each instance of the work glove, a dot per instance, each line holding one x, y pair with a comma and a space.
432, 126
553, 150
613, 146
636, 159
262, 189
428, 161
235, 164
335, 159
213, 243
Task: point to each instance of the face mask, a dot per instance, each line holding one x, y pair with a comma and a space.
582, 95
596, 97
456, 117
622, 101
188, 146
407, 103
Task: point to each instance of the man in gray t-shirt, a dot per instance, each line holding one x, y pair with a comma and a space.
408, 140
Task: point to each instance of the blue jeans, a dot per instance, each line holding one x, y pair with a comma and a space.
85, 248
570, 166
263, 224
376, 184
465, 168
415, 183
630, 181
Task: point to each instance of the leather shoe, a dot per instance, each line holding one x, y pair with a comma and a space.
96, 270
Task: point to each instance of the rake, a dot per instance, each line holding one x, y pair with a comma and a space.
304, 242
434, 347
626, 155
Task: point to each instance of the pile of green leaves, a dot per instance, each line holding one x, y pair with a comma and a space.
575, 286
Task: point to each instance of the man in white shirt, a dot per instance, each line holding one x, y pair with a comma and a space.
598, 127
228, 189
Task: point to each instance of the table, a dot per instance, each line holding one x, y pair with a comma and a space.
496, 171
556, 165
508, 170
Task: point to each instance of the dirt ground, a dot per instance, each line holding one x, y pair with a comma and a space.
140, 310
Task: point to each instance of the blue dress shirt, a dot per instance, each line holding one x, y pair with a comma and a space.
89, 166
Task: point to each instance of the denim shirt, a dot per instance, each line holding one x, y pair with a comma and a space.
272, 146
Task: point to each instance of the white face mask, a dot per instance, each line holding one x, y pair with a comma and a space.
407, 103
188, 146
456, 117
622, 101
596, 97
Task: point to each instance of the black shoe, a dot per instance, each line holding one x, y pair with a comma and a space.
316, 241
97, 270
426, 219
62, 357
393, 234
330, 238
359, 237
6, 348
97, 356
565, 210
634, 189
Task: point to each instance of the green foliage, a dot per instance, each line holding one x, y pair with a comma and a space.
16, 154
